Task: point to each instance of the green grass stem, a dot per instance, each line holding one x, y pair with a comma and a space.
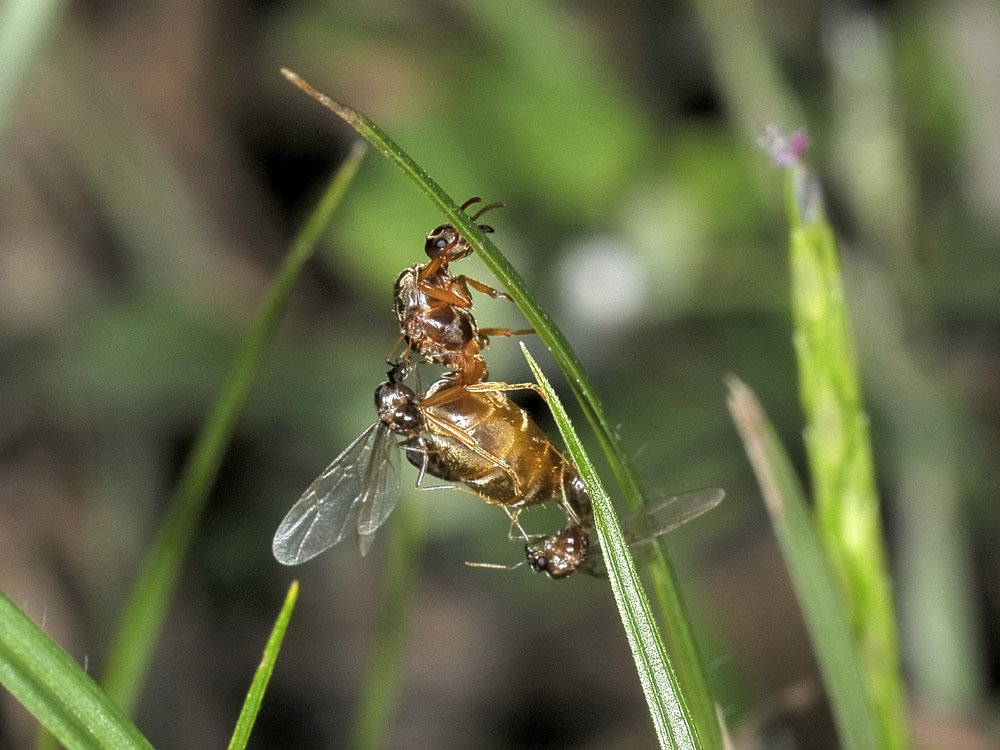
143, 619
839, 449
675, 727
255, 695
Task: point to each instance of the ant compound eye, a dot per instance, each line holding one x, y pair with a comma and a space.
440, 239
536, 559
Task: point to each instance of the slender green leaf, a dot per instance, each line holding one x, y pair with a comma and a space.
839, 449
378, 699
818, 593
671, 606
25, 28
56, 690
251, 706
145, 612
667, 707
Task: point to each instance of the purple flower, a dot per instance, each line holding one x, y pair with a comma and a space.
784, 150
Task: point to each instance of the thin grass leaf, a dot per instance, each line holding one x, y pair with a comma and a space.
25, 28
671, 717
251, 706
143, 619
839, 448
689, 663
378, 698
57, 691
817, 591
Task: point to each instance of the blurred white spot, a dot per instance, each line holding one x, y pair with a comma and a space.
602, 282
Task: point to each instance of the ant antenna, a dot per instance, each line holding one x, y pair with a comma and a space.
495, 566
487, 207
474, 199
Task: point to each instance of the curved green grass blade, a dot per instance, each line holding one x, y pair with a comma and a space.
251, 706
64, 698
671, 605
817, 591
133, 645
667, 707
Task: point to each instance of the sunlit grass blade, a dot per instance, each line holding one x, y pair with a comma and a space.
56, 690
818, 594
688, 661
251, 706
25, 27
146, 609
839, 448
378, 698
671, 717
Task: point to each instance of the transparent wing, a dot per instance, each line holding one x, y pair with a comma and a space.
381, 488
657, 517
364, 474
664, 514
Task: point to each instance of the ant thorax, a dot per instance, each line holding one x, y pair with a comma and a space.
445, 333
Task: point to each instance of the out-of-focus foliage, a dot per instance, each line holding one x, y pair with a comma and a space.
154, 166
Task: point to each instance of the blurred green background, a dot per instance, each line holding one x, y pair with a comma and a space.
153, 168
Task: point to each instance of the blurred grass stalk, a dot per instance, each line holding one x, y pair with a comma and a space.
383, 674
839, 449
132, 647
818, 592
25, 27
875, 166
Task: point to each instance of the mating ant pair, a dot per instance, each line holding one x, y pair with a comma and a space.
464, 429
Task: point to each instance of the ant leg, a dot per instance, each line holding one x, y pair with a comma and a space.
497, 387
453, 294
392, 352
515, 524
487, 332
423, 473
482, 288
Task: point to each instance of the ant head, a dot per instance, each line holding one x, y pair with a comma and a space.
536, 558
560, 554
397, 405
399, 370
446, 243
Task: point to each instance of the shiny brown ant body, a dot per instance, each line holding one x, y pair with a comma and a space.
488, 443
434, 306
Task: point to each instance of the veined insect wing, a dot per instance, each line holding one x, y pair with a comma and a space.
657, 517
363, 478
664, 514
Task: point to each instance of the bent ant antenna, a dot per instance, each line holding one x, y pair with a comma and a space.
487, 207
495, 566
